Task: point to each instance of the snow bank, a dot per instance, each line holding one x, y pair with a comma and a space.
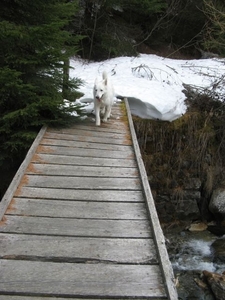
152, 84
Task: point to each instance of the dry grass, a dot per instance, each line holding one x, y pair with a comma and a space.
192, 146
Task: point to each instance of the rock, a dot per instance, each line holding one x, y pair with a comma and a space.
198, 227
204, 209
186, 208
216, 283
219, 250
193, 184
177, 203
217, 229
217, 204
190, 288
200, 283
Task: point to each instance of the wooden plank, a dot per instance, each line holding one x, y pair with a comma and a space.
88, 138
19, 174
77, 250
88, 183
11, 297
83, 161
73, 194
158, 234
77, 209
76, 227
100, 130
65, 279
114, 121
117, 109
86, 143
73, 134
81, 171
84, 152
113, 125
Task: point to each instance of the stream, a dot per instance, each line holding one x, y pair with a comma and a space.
190, 253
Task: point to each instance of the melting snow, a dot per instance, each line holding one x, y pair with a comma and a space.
152, 84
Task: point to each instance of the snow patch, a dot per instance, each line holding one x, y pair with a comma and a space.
153, 85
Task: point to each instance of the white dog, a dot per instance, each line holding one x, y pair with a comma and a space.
103, 98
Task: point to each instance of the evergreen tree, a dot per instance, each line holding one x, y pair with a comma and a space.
214, 38
35, 43
112, 27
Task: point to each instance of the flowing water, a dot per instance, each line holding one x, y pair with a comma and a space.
196, 253
191, 253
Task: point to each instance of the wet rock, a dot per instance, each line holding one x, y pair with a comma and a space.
198, 226
217, 283
217, 204
204, 209
190, 289
219, 250
217, 229
190, 253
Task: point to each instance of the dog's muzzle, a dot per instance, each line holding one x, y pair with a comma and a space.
98, 98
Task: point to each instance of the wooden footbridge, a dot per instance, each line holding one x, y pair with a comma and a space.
78, 220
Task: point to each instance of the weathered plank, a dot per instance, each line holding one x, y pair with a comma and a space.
73, 194
65, 279
73, 135
83, 143
115, 124
11, 297
90, 139
104, 128
77, 249
19, 174
81, 171
83, 161
90, 152
76, 227
88, 183
77, 209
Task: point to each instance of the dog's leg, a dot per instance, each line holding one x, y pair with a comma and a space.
102, 111
97, 115
107, 113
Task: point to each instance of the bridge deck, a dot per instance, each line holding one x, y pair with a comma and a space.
79, 222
